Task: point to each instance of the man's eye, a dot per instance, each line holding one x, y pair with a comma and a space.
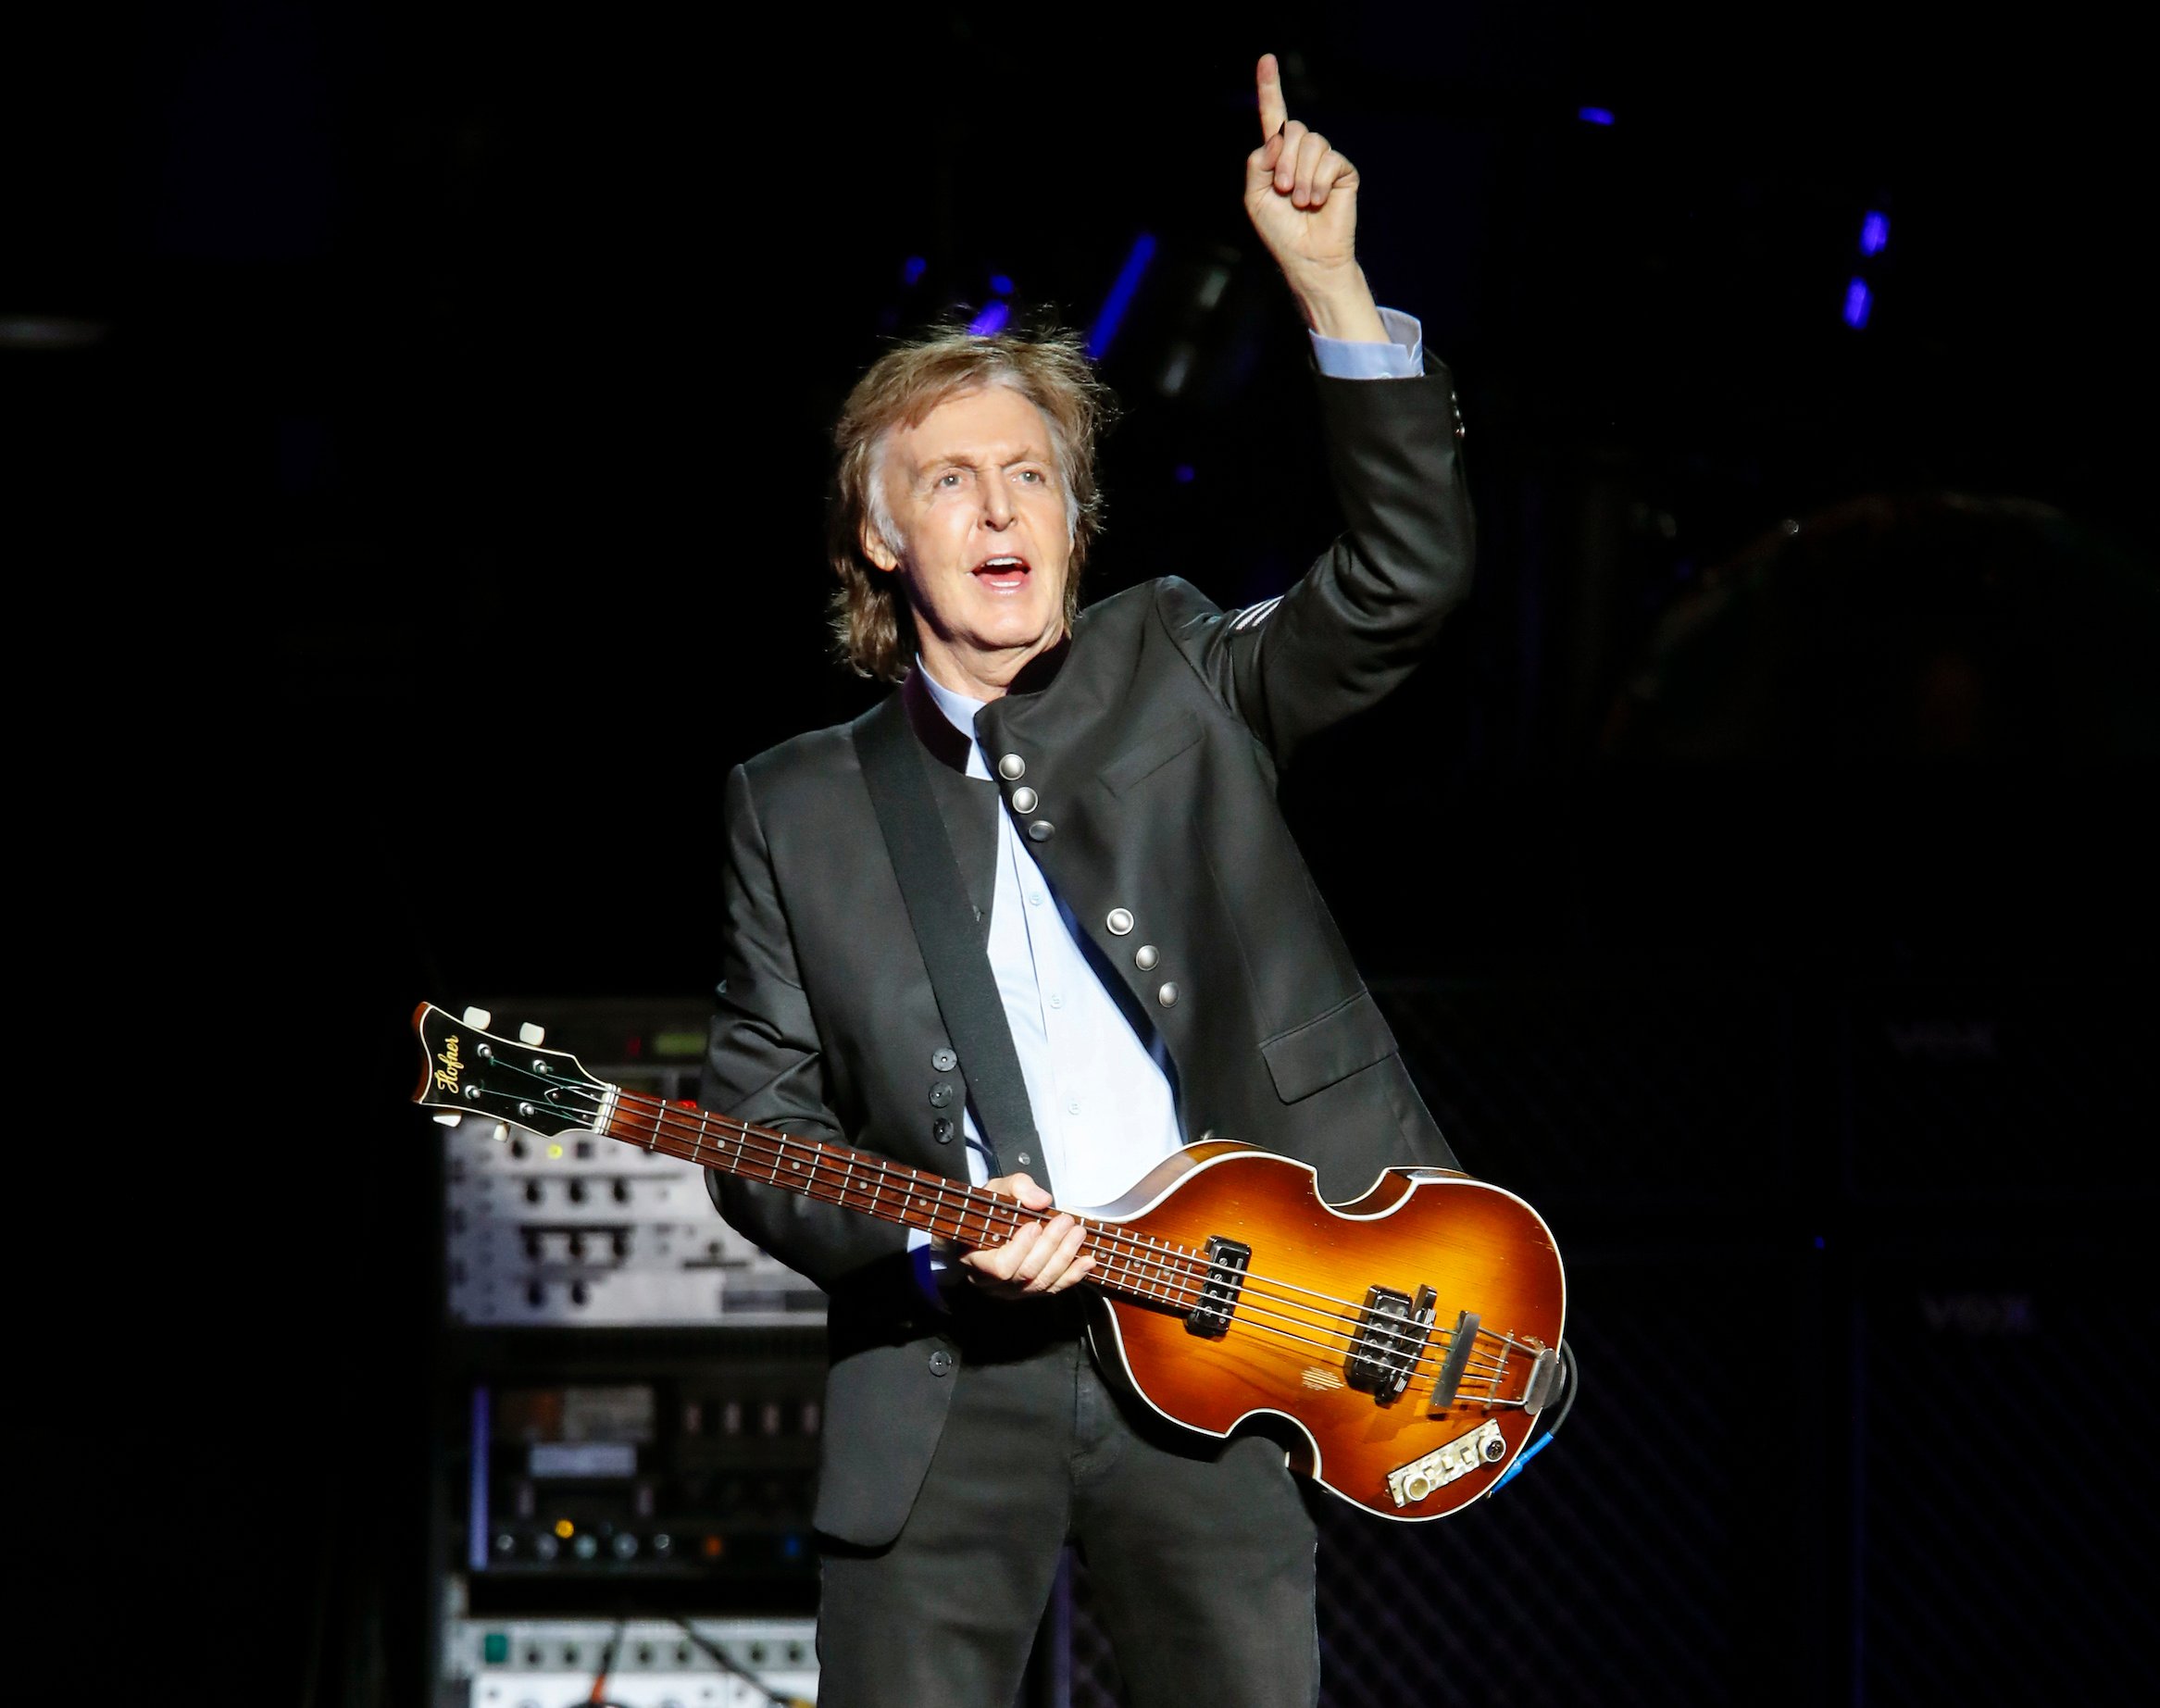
948, 480
1032, 474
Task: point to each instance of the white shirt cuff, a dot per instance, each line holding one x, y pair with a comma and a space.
1400, 358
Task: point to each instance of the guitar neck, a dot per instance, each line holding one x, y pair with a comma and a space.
1128, 1264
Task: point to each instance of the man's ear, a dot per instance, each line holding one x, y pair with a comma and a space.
875, 548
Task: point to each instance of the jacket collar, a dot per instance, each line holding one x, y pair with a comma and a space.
931, 727
935, 730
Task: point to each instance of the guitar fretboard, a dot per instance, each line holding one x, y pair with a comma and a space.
1131, 1264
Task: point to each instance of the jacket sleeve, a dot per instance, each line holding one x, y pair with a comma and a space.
764, 1065
1357, 623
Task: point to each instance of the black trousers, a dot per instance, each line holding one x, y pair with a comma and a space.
1200, 1552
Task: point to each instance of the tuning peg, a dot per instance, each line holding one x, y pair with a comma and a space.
450, 1120
480, 1018
530, 1033
502, 1131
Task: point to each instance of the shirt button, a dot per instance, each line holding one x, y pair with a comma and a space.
1119, 921
1023, 800
1012, 767
1144, 957
1034, 898
1168, 996
941, 1362
1072, 1106
944, 1061
1056, 999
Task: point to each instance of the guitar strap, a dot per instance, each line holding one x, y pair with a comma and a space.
949, 934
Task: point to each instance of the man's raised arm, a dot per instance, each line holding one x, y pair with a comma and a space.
1360, 619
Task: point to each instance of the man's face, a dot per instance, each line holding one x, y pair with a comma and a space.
975, 498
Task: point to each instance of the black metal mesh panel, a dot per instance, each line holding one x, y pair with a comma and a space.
1637, 1093
1632, 1562
1095, 1679
2003, 1544
2009, 1092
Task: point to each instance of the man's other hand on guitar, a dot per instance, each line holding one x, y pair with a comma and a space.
1043, 1257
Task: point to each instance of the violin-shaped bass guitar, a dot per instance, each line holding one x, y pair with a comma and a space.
1408, 1341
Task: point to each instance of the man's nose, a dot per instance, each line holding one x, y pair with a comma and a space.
997, 504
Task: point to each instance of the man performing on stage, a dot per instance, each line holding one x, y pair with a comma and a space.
1153, 962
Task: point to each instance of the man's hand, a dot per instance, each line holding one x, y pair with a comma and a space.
1302, 196
1043, 1257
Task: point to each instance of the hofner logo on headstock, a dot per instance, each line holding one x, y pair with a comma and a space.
452, 1065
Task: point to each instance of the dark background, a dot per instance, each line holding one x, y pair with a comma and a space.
414, 451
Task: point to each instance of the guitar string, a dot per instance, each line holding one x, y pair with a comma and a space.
1478, 1385
1142, 1273
1139, 1278
1146, 1267
1191, 1271
1195, 1266
1142, 1263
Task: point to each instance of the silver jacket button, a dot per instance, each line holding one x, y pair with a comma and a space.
940, 1093
1041, 830
941, 1362
1119, 922
1012, 767
1168, 996
943, 1060
1023, 799
1144, 957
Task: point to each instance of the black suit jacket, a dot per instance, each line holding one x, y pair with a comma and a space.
1152, 742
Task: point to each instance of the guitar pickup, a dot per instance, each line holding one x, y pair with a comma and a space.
1389, 1341
1457, 1361
1227, 1263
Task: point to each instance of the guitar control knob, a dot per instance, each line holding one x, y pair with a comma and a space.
530, 1033
1417, 1487
1495, 1450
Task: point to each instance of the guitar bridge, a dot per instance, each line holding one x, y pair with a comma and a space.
1227, 1263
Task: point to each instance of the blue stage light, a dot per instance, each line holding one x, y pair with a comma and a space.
912, 271
1182, 474
1874, 233
992, 320
1856, 303
1002, 283
1594, 115
1121, 294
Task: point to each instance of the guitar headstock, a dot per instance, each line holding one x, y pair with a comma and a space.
471, 1070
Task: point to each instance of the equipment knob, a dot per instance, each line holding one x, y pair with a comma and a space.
480, 1018
1495, 1450
530, 1033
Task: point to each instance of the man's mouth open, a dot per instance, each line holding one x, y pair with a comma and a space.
1003, 574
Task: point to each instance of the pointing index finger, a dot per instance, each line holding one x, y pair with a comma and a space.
1273, 112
